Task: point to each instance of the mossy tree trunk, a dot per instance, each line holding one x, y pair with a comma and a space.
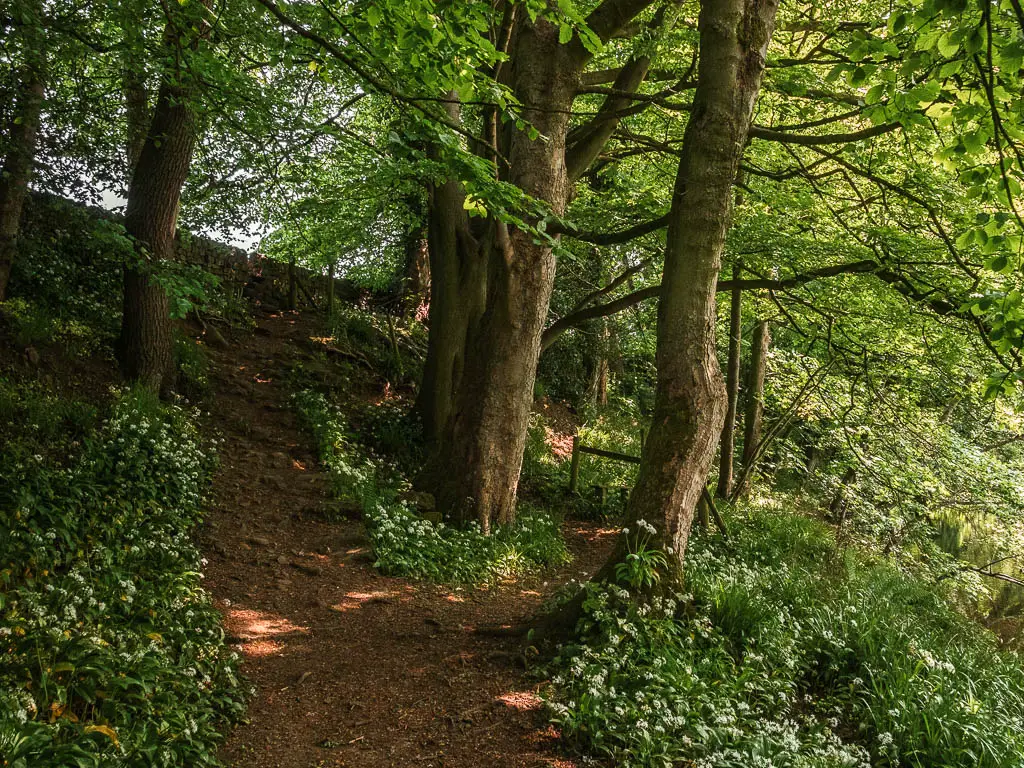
754, 410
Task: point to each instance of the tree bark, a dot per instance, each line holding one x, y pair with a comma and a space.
457, 291
22, 135
415, 279
293, 286
151, 217
597, 388
474, 469
690, 399
330, 290
481, 452
754, 414
732, 385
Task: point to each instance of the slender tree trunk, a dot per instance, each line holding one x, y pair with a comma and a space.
151, 217
837, 508
690, 400
415, 278
330, 290
732, 386
22, 135
293, 286
597, 389
752, 420
476, 471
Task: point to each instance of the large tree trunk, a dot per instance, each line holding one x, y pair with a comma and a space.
474, 470
480, 455
690, 400
22, 134
732, 386
754, 414
151, 217
457, 292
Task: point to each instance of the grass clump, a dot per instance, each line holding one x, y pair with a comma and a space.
785, 653
111, 653
406, 543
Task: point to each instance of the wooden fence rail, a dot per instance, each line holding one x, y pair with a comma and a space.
578, 449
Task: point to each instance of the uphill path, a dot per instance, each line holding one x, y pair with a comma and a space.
352, 668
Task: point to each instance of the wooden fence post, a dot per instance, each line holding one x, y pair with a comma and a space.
574, 467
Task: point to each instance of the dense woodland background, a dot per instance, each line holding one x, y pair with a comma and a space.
764, 259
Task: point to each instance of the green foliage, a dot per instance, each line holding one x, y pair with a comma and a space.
642, 566
390, 346
188, 287
353, 477
35, 421
113, 654
786, 651
33, 324
193, 367
407, 544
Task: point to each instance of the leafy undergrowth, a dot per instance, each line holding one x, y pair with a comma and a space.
404, 542
785, 652
110, 651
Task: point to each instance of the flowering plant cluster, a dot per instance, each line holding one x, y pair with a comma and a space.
784, 653
111, 653
407, 544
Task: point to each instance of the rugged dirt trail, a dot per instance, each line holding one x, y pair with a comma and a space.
351, 668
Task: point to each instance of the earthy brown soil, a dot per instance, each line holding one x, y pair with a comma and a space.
353, 668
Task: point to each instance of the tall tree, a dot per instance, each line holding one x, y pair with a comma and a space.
754, 410
690, 399
480, 451
22, 132
732, 385
154, 194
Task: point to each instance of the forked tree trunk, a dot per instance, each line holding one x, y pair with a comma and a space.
22, 135
481, 451
690, 399
474, 470
732, 386
754, 412
151, 217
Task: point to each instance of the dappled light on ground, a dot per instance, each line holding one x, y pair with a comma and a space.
261, 633
524, 701
353, 668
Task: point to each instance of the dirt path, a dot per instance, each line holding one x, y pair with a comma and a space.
351, 668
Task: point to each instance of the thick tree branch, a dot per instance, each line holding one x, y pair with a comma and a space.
588, 140
807, 139
612, 16
611, 238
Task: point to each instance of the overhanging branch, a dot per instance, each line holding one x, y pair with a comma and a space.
898, 282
